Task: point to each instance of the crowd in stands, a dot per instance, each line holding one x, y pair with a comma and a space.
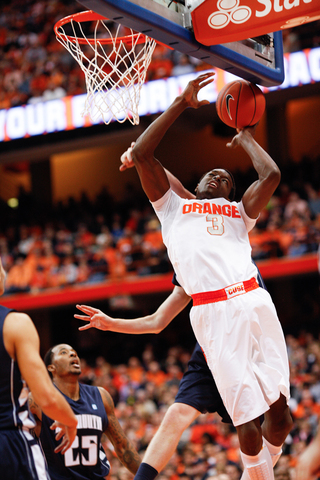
89, 242
54, 249
35, 67
144, 387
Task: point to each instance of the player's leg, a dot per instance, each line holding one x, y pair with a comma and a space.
259, 454
276, 426
163, 445
261, 446
250, 437
197, 394
255, 457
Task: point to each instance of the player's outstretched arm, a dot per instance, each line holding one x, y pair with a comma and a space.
257, 196
22, 344
153, 323
309, 461
153, 177
124, 449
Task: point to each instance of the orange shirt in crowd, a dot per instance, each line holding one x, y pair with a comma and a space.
158, 378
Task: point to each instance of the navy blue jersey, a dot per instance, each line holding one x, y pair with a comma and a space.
14, 412
85, 459
197, 387
20, 455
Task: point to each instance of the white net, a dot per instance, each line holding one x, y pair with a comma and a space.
115, 67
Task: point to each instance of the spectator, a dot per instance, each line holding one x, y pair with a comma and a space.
296, 206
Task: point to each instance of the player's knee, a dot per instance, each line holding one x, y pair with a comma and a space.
278, 425
250, 438
288, 421
282, 426
179, 416
280, 417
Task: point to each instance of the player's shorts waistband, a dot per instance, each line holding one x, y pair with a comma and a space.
225, 293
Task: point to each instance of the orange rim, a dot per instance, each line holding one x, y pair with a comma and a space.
90, 16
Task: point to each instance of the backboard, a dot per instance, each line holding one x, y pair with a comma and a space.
259, 59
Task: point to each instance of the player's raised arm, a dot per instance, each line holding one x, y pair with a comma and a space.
124, 448
153, 323
152, 174
259, 193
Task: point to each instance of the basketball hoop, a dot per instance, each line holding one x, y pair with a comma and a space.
115, 66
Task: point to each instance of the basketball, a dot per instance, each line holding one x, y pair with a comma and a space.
240, 104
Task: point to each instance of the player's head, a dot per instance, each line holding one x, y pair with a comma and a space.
216, 183
2, 278
62, 360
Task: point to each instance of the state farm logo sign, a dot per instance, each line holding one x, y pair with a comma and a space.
220, 21
229, 11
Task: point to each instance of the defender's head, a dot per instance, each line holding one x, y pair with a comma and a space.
62, 360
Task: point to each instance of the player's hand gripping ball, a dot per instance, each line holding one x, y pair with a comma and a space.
240, 104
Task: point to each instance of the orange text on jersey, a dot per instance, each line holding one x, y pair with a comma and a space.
205, 208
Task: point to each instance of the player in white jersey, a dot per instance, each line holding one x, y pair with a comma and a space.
234, 320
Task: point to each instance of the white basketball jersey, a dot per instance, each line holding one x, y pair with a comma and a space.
207, 241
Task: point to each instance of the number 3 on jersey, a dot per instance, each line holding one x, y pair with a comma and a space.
88, 443
217, 224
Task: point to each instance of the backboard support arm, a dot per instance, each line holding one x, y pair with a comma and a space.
258, 64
